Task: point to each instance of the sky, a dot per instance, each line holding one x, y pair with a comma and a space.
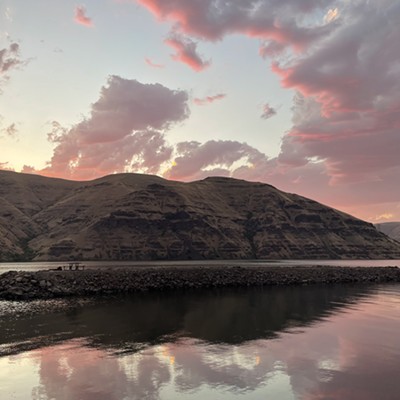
300, 94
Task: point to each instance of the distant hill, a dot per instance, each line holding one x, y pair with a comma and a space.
391, 229
143, 217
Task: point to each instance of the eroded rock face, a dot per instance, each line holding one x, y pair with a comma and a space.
142, 217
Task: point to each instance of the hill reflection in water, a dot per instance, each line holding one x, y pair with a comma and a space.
313, 342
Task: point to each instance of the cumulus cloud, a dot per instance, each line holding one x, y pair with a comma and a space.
194, 160
346, 113
81, 18
208, 99
124, 132
345, 117
153, 64
186, 52
268, 111
282, 21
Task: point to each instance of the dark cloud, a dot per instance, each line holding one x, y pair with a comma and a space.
10, 59
268, 111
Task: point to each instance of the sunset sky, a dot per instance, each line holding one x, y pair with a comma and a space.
301, 94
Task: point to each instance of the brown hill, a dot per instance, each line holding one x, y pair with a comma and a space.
392, 229
142, 217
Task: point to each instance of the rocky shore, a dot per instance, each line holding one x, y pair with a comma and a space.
52, 284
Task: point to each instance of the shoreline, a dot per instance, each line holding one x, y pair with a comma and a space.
50, 284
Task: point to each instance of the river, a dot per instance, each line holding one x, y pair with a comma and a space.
35, 266
304, 342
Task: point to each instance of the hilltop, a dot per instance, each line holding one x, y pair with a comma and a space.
144, 217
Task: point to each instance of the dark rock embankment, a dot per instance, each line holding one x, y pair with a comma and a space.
51, 284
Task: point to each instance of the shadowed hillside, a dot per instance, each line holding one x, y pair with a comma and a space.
143, 217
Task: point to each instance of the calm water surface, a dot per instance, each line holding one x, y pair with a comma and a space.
35, 266
315, 342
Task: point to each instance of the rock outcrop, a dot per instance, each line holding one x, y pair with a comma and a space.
143, 217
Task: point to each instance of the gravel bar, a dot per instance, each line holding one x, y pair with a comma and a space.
22, 285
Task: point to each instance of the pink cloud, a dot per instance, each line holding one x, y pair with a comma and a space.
124, 132
186, 52
153, 64
81, 17
347, 114
268, 19
208, 99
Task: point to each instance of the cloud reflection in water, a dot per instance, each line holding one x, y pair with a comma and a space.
351, 352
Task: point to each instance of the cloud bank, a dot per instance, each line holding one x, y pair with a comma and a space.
341, 59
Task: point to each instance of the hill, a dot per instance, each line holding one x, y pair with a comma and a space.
143, 217
392, 229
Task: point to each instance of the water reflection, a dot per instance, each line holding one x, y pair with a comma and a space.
288, 343
127, 324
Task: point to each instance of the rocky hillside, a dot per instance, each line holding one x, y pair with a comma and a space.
142, 217
392, 229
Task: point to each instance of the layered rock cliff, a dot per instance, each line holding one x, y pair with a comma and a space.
142, 217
